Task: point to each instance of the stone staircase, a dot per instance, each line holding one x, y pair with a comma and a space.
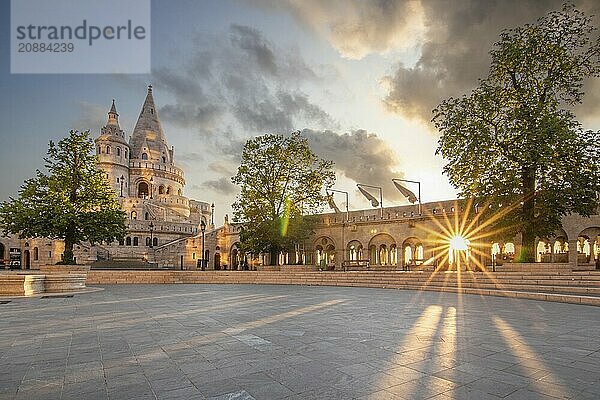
568, 287
125, 263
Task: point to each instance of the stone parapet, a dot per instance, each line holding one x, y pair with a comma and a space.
12, 284
24, 284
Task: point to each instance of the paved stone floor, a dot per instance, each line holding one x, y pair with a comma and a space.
291, 342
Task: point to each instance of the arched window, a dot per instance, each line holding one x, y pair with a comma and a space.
419, 253
161, 189
107, 149
178, 192
393, 255
36, 254
383, 254
146, 216
147, 241
164, 159
125, 153
128, 241
169, 190
495, 249
133, 215
99, 150
143, 190
136, 241
121, 242
407, 255
155, 242
373, 255
119, 151
144, 156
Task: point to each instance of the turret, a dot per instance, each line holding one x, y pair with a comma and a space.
113, 153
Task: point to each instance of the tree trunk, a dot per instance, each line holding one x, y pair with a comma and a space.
274, 257
68, 258
528, 210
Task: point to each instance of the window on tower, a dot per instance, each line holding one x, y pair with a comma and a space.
119, 151
107, 149
144, 156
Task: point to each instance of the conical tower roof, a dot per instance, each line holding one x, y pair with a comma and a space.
112, 131
148, 133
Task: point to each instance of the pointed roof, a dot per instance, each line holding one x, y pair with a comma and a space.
112, 131
149, 133
113, 109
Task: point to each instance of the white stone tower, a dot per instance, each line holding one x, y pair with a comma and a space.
154, 176
113, 153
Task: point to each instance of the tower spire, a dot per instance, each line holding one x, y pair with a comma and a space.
113, 116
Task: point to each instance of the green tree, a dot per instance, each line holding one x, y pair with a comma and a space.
73, 201
514, 141
281, 183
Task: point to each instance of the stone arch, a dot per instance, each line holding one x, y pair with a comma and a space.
354, 250
588, 242
143, 189
234, 256
413, 252
379, 247
324, 251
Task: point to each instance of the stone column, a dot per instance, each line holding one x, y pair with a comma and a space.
573, 253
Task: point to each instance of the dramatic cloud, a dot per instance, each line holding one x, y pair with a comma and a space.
454, 53
359, 155
233, 87
357, 27
243, 79
222, 185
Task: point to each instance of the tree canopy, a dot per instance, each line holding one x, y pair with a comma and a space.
281, 182
72, 201
514, 141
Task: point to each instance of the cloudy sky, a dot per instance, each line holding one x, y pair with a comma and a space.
358, 77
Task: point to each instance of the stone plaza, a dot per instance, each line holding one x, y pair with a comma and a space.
295, 342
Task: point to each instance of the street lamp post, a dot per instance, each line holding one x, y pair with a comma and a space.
370, 197
327, 190
410, 196
343, 222
212, 215
203, 229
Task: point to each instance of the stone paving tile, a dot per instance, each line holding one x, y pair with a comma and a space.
284, 342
